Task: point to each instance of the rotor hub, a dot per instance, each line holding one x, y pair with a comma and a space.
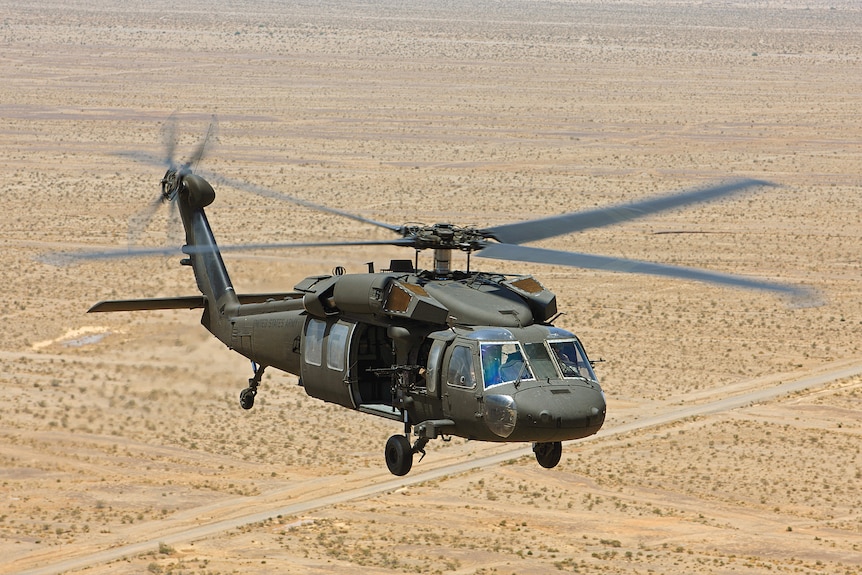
171, 183
445, 237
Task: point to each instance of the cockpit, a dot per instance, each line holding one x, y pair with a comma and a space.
560, 356
532, 383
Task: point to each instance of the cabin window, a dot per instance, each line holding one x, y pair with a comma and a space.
336, 344
314, 331
461, 370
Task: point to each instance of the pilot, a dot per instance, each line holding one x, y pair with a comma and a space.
491, 366
570, 368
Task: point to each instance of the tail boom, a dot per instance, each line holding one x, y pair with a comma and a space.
204, 256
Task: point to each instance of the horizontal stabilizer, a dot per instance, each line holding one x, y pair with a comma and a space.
183, 302
187, 302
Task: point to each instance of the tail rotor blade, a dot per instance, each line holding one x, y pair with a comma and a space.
169, 139
141, 220
201, 149
174, 230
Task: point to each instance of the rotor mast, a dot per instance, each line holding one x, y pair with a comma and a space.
442, 262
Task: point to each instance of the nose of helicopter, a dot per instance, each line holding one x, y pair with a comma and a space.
560, 412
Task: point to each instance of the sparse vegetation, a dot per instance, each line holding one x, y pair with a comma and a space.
125, 427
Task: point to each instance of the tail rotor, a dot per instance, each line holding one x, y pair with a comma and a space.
171, 183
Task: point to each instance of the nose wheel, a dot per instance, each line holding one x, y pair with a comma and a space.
548, 454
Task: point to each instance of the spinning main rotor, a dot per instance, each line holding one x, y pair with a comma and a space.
503, 242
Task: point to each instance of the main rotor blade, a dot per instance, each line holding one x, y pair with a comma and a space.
270, 193
65, 258
144, 158
514, 252
263, 191
247, 247
532, 230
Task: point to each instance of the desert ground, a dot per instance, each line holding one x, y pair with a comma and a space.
732, 443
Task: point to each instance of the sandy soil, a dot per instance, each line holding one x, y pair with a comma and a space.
121, 430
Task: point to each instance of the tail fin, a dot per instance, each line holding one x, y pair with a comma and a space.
194, 195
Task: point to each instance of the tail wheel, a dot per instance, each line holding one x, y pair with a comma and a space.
399, 455
548, 454
246, 397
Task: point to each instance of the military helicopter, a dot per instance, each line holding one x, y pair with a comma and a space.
444, 352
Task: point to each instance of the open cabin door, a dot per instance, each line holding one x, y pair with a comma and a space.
347, 363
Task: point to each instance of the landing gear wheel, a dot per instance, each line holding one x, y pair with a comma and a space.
399, 455
246, 397
548, 454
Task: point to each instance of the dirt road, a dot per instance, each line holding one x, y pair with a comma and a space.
270, 504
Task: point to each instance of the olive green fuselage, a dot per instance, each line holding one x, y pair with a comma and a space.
356, 345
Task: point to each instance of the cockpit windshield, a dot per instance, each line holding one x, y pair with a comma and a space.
503, 363
572, 359
510, 361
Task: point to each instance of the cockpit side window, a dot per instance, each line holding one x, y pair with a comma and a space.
461, 370
572, 359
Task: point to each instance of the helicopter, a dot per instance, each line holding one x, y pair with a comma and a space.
442, 351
